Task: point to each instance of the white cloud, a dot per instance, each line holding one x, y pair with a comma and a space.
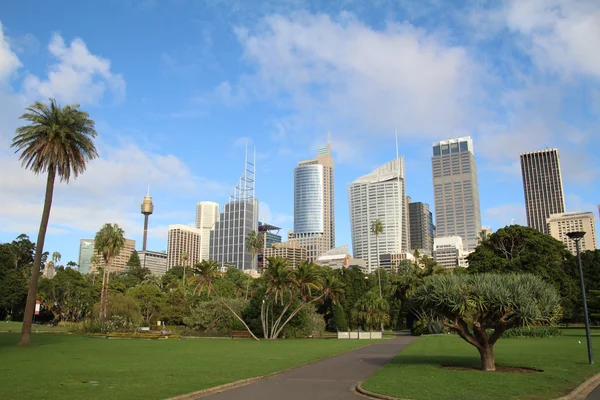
343, 70
9, 62
230, 96
284, 221
78, 76
562, 35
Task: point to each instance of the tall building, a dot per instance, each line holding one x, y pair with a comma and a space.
314, 210
291, 251
183, 239
456, 191
268, 234
119, 263
207, 215
381, 195
238, 219
421, 228
147, 210
575, 221
449, 252
86, 252
542, 184
155, 261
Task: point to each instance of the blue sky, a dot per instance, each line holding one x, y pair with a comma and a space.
178, 87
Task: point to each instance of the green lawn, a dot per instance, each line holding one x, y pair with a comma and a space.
76, 367
16, 327
416, 374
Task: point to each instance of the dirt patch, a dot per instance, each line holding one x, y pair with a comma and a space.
516, 370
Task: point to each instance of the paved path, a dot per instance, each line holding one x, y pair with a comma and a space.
329, 379
595, 395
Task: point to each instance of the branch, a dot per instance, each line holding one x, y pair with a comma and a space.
462, 329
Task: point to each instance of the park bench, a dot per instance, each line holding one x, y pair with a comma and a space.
240, 334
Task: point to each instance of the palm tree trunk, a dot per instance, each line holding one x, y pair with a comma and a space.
106, 280
37, 261
379, 274
102, 316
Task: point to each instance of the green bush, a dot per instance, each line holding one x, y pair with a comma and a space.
307, 323
116, 323
215, 316
122, 306
338, 321
535, 332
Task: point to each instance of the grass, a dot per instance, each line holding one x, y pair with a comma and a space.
416, 374
16, 327
76, 367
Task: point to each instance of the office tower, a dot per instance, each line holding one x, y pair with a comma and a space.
238, 219
147, 210
155, 261
379, 195
314, 210
542, 184
576, 221
182, 240
207, 215
291, 251
456, 192
86, 252
268, 234
449, 252
119, 263
421, 228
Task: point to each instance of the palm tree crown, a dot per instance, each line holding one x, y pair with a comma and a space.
376, 227
109, 241
57, 140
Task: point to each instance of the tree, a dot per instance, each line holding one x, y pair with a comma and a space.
57, 141
371, 311
184, 260
472, 304
69, 295
339, 318
205, 272
56, 257
377, 229
23, 250
108, 244
72, 264
135, 268
150, 298
254, 243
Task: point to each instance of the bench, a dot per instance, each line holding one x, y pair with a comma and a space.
240, 334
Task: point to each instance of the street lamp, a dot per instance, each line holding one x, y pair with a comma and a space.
576, 237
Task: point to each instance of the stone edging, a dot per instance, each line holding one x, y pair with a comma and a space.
244, 382
580, 393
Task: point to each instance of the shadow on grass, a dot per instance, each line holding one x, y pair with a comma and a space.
11, 339
437, 360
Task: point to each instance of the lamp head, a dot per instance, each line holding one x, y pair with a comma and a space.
576, 235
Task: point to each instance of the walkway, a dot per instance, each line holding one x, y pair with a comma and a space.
595, 395
329, 379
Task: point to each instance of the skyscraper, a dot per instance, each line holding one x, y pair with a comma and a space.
542, 184
381, 195
314, 210
421, 228
456, 191
559, 225
207, 215
119, 263
238, 219
86, 252
183, 239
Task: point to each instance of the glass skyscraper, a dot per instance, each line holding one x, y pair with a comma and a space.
86, 252
456, 190
314, 210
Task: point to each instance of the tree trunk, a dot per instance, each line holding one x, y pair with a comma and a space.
37, 261
487, 358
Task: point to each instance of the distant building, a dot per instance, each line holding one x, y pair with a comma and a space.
183, 239
542, 185
49, 270
336, 258
207, 215
119, 263
268, 235
379, 195
421, 228
390, 262
238, 219
86, 252
575, 221
314, 205
291, 251
456, 190
449, 252
156, 262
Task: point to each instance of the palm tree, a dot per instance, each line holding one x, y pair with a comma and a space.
254, 243
205, 272
371, 311
108, 244
57, 141
376, 229
184, 260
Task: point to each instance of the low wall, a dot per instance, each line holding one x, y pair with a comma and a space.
360, 335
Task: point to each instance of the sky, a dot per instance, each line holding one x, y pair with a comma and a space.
177, 88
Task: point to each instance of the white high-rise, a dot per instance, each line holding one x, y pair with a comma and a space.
183, 239
207, 215
379, 195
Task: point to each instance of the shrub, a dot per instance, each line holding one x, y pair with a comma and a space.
122, 306
535, 332
214, 316
307, 323
116, 323
338, 321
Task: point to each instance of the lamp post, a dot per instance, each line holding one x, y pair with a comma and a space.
576, 237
